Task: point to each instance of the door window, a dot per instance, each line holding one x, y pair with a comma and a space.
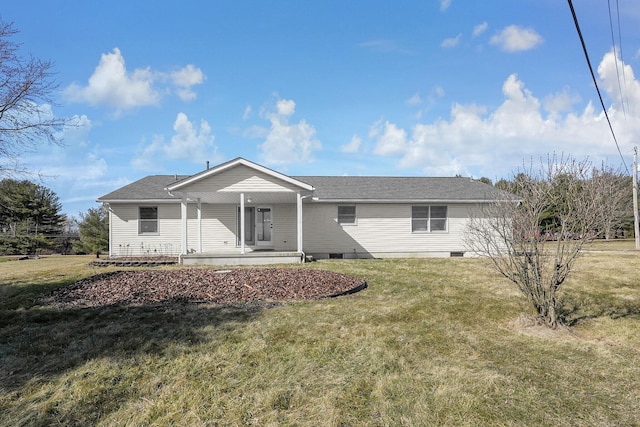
264, 225
249, 222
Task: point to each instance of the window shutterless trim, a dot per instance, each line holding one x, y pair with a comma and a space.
423, 221
347, 218
148, 220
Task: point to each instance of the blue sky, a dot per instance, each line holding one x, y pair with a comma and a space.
404, 88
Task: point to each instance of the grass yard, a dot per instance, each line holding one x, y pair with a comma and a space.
611, 245
430, 342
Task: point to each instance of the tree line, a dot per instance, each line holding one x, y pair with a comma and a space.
615, 189
31, 223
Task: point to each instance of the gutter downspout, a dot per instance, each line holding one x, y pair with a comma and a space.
184, 212
108, 206
300, 250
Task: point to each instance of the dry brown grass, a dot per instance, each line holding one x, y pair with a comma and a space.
430, 342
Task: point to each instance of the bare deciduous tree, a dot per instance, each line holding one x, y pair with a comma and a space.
534, 239
617, 207
26, 120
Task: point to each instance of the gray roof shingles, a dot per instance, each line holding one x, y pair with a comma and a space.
148, 188
342, 188
398, 188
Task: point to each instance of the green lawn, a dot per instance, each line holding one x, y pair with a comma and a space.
430, 342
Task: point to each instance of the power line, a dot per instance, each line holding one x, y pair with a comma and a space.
624, 76
615, 55
595, 82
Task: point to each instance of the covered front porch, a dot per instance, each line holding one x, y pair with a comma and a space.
241, 214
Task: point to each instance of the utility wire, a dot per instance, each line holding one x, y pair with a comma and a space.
624, 76
615, 56
595, 82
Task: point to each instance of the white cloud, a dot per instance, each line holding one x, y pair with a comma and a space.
451, 42
286, 107
188, 143
426, 104
414, 100
495, 141
78, 167
89, 167
392, 140
560, 102
288, 143
184, 79
515, 39
353, 146
444, 5
75, 134
613, 83
247, 113
376, 128
111, 85
480, 28
76, 160
255, 132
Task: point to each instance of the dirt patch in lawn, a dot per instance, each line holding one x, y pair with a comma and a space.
226, 287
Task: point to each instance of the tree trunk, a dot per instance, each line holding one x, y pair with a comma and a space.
551, 319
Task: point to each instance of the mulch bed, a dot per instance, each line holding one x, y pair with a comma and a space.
225, 287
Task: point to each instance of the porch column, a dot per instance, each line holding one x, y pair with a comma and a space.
242, 223
183, 219
299, 218
199, 225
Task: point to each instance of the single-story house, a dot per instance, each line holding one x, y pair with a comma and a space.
240, 212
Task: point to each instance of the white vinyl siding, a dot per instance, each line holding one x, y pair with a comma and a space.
217, 231
241, 179
218, 228
284, 227
125, 226
384, 230
219, 224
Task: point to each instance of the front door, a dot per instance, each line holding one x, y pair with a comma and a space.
258, 226
264, 227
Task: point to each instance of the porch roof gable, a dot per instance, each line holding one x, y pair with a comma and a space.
193, 179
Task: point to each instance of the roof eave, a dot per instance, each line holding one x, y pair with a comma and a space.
475, 201
102, 200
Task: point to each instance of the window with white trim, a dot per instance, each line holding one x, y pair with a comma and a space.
426, 219
347, 215
148, 223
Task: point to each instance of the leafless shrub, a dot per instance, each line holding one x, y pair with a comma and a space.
534, 238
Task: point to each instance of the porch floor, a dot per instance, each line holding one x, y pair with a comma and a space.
249, 258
